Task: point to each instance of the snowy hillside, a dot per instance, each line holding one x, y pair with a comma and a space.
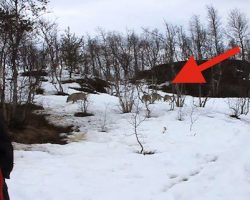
90, 97
206, 160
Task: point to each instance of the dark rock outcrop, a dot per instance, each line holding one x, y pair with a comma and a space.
233, 81
91, 85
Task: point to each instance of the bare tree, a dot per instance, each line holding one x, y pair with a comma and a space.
126, 94
171, 42
3, 62
199, 44
151, 46
32, 64
84, 104
106, 56
71, 51
215, 30
199, 37
215, 40
18, 20
136, 121
239, 29
184, 44
49, 33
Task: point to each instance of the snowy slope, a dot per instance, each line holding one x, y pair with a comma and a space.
210, 162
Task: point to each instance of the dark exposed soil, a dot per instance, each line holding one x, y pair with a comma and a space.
234, 116
68, 81
35, 73
39, 91
61, 94
83, 114
39, 131
90, 85
36, 129
96, 84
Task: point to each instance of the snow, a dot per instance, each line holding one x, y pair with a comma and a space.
210, 162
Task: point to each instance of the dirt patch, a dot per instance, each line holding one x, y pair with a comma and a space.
35, 73
61, 94
94, 84
235, 116
43, 79
83, 89
90, 85
39, 90
83, 114
38, 130
68, 81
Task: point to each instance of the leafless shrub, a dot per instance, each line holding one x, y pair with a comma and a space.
126, 93
180, 114
193, 118
179, 98
104, 127
203, 101
84, 104
239, 106
136, 121
148, 110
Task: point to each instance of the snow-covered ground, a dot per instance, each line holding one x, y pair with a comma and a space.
209, 162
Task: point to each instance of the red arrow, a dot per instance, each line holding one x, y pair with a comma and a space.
191, 72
